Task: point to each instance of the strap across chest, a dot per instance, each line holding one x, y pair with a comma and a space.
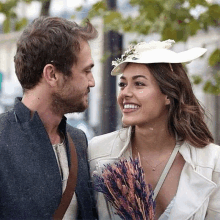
71, 183
166, 171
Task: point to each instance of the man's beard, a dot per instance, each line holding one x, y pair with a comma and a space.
63, 105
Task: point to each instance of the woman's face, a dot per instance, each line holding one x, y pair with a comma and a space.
140, 98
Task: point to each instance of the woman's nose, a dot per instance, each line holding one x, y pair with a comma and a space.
127, 91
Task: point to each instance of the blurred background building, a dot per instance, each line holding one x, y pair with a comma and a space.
103, 114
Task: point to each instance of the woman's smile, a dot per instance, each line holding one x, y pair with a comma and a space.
130, 107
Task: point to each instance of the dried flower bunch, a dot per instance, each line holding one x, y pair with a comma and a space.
134, 51
124, 187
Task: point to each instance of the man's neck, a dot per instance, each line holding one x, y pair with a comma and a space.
41, 104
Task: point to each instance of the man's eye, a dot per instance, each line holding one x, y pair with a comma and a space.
88, 71
121, 84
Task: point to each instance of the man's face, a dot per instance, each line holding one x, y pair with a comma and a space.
72, 94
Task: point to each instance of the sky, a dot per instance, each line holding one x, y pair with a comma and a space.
32, 10
59, 5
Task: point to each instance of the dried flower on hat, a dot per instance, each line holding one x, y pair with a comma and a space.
133, 52
124, 187
130, 53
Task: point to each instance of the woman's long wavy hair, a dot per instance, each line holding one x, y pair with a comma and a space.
186, 115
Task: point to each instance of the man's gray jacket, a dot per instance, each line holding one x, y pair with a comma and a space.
30, 182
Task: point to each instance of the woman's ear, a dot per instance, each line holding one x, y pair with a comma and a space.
50, 75
167, 100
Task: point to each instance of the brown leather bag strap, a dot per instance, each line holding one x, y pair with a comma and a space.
71, 183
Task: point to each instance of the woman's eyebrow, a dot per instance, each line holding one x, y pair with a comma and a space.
122, 77
138, 76
135, 77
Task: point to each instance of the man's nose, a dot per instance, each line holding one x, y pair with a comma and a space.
91, 80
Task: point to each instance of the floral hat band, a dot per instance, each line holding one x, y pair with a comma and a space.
154, 52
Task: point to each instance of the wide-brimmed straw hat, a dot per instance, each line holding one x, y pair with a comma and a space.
154, 52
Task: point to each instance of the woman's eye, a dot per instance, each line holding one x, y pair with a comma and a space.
139, 84
121, 84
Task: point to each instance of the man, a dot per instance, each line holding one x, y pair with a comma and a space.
53, 64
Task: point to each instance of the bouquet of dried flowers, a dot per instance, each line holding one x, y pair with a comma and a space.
124, 187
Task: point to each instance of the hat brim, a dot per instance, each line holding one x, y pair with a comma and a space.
161, 56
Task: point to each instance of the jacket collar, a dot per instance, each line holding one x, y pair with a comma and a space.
119, 149
33, 126
124, 137
22, 114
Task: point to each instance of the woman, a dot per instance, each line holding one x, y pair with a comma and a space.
165, 126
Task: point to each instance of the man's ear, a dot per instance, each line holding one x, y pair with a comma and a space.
50, 75
167, 100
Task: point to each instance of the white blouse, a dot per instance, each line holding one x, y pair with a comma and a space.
166, 214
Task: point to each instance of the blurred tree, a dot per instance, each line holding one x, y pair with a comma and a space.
45, 7
112, 46
11, 21
175, 19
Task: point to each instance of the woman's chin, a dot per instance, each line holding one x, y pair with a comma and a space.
128, 123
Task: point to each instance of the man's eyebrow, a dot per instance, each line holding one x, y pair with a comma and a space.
90, 66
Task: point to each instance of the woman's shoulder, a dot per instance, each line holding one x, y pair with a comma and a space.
210, 150
204, 157
209, 156
101, 145
213, 147
215, 153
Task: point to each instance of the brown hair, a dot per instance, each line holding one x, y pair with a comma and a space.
186, 115
49, 40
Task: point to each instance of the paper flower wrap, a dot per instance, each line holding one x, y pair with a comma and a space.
124, 187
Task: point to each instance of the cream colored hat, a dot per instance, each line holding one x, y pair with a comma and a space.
154, 52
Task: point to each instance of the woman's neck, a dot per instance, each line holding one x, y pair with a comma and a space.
152, 139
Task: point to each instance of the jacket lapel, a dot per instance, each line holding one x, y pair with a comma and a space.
43, 146
190, 197
119, 148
